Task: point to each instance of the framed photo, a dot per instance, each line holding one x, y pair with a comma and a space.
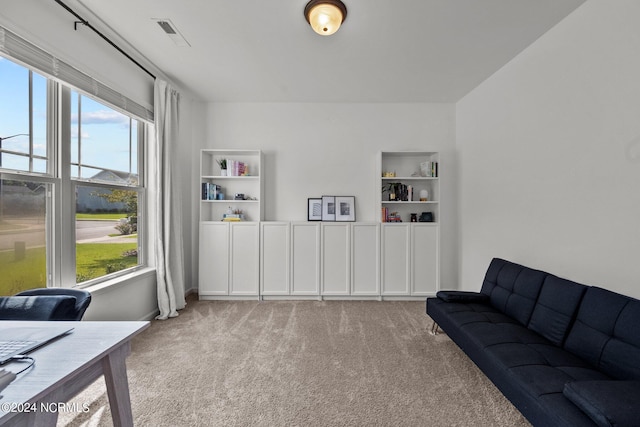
314, 209
345, 208
328, 208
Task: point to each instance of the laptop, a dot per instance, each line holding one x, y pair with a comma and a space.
17, 340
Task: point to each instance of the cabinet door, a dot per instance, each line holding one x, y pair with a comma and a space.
214, 259
335, 261
365, 259
305, 259
274, 262
395, 259
245, 258
424, 259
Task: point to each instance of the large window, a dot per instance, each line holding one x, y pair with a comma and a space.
79, 162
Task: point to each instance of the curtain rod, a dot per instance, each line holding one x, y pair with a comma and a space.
105, 38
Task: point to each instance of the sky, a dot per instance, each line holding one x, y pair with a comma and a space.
104, 132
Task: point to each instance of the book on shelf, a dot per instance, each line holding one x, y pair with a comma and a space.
390, 216
429, 169
234, 217
237, 168
210, 191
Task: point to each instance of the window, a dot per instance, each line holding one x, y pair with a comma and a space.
23, 124
23, 234
91, 178
104, 168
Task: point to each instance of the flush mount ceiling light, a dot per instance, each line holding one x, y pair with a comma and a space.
325, 16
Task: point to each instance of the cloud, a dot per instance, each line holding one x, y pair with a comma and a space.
101, 117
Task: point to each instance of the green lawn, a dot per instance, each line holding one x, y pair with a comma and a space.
93, 260
99, 216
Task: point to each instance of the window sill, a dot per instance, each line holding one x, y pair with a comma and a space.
124, 280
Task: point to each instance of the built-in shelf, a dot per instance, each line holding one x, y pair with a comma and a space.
414, 171
250, 185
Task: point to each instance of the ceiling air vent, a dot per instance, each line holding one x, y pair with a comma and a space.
170, 29
166, 26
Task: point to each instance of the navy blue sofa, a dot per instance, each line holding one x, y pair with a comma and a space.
563, 353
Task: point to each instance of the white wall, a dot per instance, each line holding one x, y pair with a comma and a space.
312, 150
550, 154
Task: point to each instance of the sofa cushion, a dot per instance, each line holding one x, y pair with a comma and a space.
606, 333
556, 308
513, 288
462, 296
54, 307
608, 403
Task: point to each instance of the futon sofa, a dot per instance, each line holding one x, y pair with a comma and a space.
563, 353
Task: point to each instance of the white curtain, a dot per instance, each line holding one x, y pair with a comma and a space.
166, 208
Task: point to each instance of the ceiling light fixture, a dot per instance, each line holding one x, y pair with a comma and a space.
325, 16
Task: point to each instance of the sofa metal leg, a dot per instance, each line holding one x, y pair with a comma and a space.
434, 328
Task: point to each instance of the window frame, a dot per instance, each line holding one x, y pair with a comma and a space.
61, 198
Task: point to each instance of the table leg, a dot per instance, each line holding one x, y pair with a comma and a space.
115, 377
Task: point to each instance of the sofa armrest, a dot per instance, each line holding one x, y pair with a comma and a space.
462, 296
36, 307
607, 403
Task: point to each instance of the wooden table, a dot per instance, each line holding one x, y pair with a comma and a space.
63, 368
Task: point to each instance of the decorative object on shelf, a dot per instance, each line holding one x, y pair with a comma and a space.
238, 196
426, 217
223, 166
325, 16
314, 209
345, 208
328, 208
424, 195
414, 217
392, 188
389, 174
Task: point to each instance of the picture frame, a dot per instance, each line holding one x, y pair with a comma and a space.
314, 209
328, 208
345, 208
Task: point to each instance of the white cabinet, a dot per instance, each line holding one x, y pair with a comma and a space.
305, 258
425, 260
214, 259
244, 262
365, 259
274, 258
229, 259
396, 251
336, 255
410, 260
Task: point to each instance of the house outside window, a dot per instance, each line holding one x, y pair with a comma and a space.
76, 161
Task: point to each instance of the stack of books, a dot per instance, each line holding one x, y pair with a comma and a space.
210, 191
390, 216
237, 168
233, 217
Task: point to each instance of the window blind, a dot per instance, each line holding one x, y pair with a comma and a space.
21, 50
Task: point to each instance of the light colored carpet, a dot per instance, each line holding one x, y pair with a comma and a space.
301, 363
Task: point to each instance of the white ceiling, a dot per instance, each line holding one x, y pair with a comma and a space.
386, 50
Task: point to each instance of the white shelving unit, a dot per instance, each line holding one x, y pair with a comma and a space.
250, 185
230, 251
405, 166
